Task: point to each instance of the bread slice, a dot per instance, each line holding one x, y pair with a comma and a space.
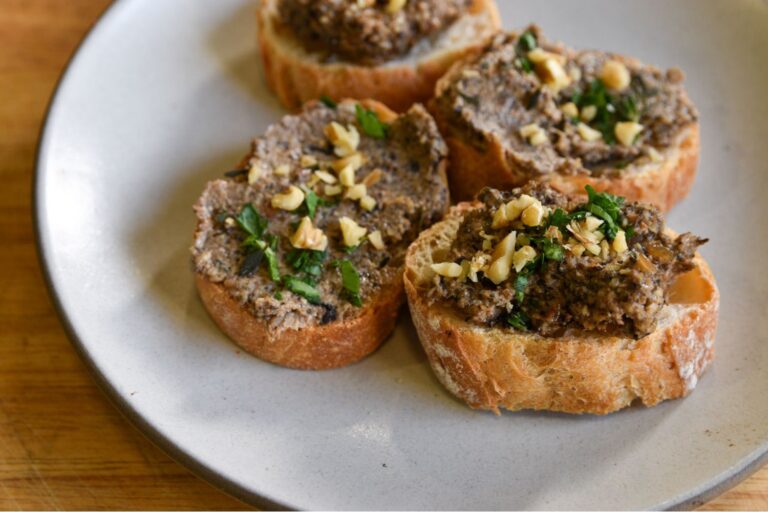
492, 368
357, 331
296, 75
663, 182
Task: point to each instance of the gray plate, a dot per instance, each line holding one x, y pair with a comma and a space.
165, 95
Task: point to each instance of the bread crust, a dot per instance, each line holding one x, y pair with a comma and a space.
662, 183
296, 78
491, 368
314, 348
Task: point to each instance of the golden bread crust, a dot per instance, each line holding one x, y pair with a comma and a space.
314, 348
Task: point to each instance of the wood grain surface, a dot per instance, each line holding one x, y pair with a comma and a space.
62, 444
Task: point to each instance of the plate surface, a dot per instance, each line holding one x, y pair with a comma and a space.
162, 98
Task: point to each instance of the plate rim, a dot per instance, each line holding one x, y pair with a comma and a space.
690, 500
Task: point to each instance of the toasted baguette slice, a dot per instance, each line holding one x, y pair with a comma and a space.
296, 75
238, 304
492, 368
662, 182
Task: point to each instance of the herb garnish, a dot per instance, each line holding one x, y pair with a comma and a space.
549, 249
251, 222
307, 261
269, 249
519, 321
350, 279
610, 108
604, 206
521, 283
310, 202
258, 244
300, 287
370, 123
327, 101
525, 43
607, 207
272, 267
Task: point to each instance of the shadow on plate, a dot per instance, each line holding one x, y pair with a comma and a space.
233, 46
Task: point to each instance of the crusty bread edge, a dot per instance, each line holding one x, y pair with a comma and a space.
493, 368
313, 348
295, 80
320, 347
661, 183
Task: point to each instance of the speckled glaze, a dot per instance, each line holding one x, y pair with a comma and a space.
161, 99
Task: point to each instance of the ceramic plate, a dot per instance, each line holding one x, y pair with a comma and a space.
164, 96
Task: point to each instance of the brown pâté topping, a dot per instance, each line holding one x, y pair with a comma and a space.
534, 260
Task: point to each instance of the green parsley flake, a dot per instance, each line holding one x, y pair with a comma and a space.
611, 109
251, 222
350, 280
370, 123
307, 261
519, 321
327, 101
301, 288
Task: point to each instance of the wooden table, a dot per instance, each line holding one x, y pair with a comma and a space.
62, 444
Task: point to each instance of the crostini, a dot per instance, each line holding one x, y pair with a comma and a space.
527, 109
392, 51
529, 299
299, 252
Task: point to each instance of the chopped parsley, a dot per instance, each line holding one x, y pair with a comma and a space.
268, 248
606, 207
259, 245
549, 249
307, 261
327, 101
519, 321
611, 109
272, 265
350, 280
525, 43
310, 202
521, 283
251, 222
559, 219
302, 288
370, 123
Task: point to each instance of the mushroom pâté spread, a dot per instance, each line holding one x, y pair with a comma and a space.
367, 31
532, 259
